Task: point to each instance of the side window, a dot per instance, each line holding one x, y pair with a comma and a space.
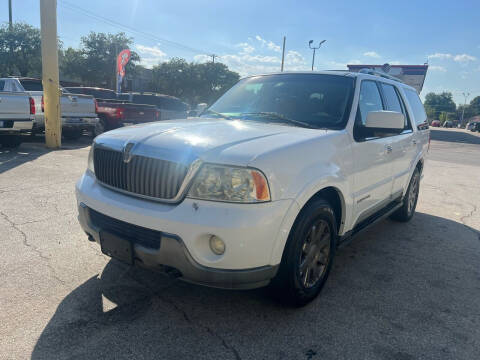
2, 85
370, 100
419, 114
394, 102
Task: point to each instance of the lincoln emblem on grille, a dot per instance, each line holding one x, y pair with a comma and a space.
127, 155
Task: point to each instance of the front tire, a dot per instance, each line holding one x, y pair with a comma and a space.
100, 127
410, 199
308, 255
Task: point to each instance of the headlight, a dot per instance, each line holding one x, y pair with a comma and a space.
233, 184
90, 165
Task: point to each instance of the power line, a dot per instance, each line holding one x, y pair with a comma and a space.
127, 28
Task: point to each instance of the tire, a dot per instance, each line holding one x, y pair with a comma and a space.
100, 127
10, 142
291, 285
410, 199
72, 134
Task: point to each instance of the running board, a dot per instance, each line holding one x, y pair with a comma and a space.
373, 219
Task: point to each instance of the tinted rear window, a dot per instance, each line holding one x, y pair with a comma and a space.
417, 107
161, 102
2, 84
96, 93
32, 85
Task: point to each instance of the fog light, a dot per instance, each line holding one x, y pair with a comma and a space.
217, 245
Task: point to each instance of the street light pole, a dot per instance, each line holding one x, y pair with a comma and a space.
314, 49
464, 105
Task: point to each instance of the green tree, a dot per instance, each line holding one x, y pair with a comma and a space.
193, 83
95, 62
474, 107
20, 50
438, 103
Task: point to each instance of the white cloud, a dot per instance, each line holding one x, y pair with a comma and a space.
464, 58
246, 48
460, 58
150, 55
269, 44
437, 68
371, 54
251, 62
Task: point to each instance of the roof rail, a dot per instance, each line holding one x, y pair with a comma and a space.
379, 73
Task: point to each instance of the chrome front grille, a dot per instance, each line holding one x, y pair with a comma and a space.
142, 175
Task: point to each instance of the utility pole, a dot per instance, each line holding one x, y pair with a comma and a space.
464, 105
10, 21
283, 53
50, 77
213, 57
314, 48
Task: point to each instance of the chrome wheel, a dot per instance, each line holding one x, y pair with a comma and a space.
315, 253
413, 193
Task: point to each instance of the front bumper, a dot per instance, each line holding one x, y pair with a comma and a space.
251, 233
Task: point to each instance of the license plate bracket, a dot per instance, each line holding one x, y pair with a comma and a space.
116, 247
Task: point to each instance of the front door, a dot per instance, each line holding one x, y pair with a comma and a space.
373, 166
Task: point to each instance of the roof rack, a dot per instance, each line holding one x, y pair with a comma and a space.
379, 73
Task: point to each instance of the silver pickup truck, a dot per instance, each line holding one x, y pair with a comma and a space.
17, 110
78, 112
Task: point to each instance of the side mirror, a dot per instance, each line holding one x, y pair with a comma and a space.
385, 121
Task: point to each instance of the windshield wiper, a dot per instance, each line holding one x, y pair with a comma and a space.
208, 111
277, 116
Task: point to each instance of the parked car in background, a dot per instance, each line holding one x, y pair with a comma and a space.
435, 123
471, 125
78, 112
476, 127
448, 124
274, 176
113, 113
169, 107
17, 109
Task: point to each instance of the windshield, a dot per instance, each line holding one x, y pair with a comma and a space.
319, 100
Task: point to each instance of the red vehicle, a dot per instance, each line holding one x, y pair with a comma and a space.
114, 113
435, 123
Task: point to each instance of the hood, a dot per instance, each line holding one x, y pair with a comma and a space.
211, 140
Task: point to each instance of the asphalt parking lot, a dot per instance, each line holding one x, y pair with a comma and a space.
399, 291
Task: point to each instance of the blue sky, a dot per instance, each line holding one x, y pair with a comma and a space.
247, 35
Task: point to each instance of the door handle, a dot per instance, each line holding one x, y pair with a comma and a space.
414, 142
388, 149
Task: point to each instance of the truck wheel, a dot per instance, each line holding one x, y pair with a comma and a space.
308, 255
407, 210
72, 134
10, 142
100, 127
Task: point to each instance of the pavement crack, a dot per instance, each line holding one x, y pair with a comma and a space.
187, 318
25, 242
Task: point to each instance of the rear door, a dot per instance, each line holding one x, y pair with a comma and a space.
403, 145
373, 166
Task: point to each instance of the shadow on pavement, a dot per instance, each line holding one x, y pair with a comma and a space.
454, 136
395, 292
32, 147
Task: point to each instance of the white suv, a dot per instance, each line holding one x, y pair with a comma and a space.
264, 185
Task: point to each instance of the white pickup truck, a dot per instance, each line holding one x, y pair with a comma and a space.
78, 112
17, 110
264, 186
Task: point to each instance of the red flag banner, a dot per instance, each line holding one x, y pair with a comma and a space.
122, 60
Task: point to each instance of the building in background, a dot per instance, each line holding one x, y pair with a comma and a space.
413, 75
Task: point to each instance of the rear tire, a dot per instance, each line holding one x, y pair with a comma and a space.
10, 142
100, 127
72, 134
410, 199
308, 255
